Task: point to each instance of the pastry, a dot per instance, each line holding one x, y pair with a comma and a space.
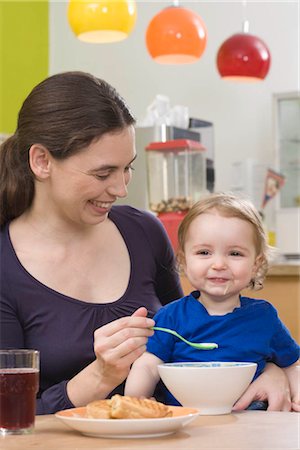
125, 407
99, 409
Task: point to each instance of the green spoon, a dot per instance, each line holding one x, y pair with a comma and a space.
200, 345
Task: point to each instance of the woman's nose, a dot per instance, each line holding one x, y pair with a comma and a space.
119, 187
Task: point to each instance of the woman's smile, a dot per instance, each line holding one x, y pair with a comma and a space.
101, 205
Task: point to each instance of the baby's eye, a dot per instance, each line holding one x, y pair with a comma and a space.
202, 252
235, 253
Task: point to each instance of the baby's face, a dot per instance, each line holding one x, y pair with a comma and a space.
220, 255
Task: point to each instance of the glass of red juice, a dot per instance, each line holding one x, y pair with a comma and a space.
19, 383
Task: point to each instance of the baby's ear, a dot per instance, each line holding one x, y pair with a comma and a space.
257, 263
181, 264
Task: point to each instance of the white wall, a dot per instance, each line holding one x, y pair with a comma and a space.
241, 113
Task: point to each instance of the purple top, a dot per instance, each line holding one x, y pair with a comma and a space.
34, 316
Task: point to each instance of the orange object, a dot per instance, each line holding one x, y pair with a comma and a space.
176, 35
171, 222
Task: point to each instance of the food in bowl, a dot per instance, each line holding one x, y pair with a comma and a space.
125, 407
212, 387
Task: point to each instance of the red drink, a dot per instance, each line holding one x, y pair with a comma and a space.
18, 389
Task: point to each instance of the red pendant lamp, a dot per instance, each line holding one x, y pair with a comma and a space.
243, 57
176, 35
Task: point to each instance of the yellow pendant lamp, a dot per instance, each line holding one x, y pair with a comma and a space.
176, 35
102, 21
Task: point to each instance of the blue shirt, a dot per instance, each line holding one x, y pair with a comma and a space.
252, 332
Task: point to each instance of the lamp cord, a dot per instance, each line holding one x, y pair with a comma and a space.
245, 20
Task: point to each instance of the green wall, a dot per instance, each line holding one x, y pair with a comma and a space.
23, 55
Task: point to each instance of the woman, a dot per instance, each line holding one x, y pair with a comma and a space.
79, 275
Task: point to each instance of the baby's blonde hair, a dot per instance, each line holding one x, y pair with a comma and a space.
229, 205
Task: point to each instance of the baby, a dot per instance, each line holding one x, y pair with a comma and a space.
222, 250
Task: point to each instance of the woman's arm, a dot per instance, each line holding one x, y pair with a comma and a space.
272, 385
293, 374
143, 377
117, 345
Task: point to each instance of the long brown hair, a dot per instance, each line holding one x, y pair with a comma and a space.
64, 113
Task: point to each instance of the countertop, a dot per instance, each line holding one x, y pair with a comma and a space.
285, 269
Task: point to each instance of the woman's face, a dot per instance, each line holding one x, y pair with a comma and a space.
83, 187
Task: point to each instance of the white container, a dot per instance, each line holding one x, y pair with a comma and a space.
288, 232
211, 387
248, 179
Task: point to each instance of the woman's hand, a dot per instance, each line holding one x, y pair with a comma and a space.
293, 374
296, 406
117, 345
272, 385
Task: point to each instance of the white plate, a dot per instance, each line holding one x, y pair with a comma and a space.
127, 428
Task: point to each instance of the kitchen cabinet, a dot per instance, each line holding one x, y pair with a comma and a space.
282, 289
287, 156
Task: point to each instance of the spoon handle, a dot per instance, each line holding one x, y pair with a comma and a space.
199, 345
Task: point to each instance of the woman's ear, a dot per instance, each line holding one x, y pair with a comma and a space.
40, 161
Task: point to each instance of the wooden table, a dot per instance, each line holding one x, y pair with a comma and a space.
244, 430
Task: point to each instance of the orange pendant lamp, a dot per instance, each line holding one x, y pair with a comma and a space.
100, 21
243, 57
176, 35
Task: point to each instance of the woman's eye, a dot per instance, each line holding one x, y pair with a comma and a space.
128, 168
104, 177
101, 177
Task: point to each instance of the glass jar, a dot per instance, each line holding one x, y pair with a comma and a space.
176, 172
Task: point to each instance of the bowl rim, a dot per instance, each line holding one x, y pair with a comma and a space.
209, 364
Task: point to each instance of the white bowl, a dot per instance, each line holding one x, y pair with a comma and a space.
211, 387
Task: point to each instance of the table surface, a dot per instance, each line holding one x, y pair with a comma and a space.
243, 430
